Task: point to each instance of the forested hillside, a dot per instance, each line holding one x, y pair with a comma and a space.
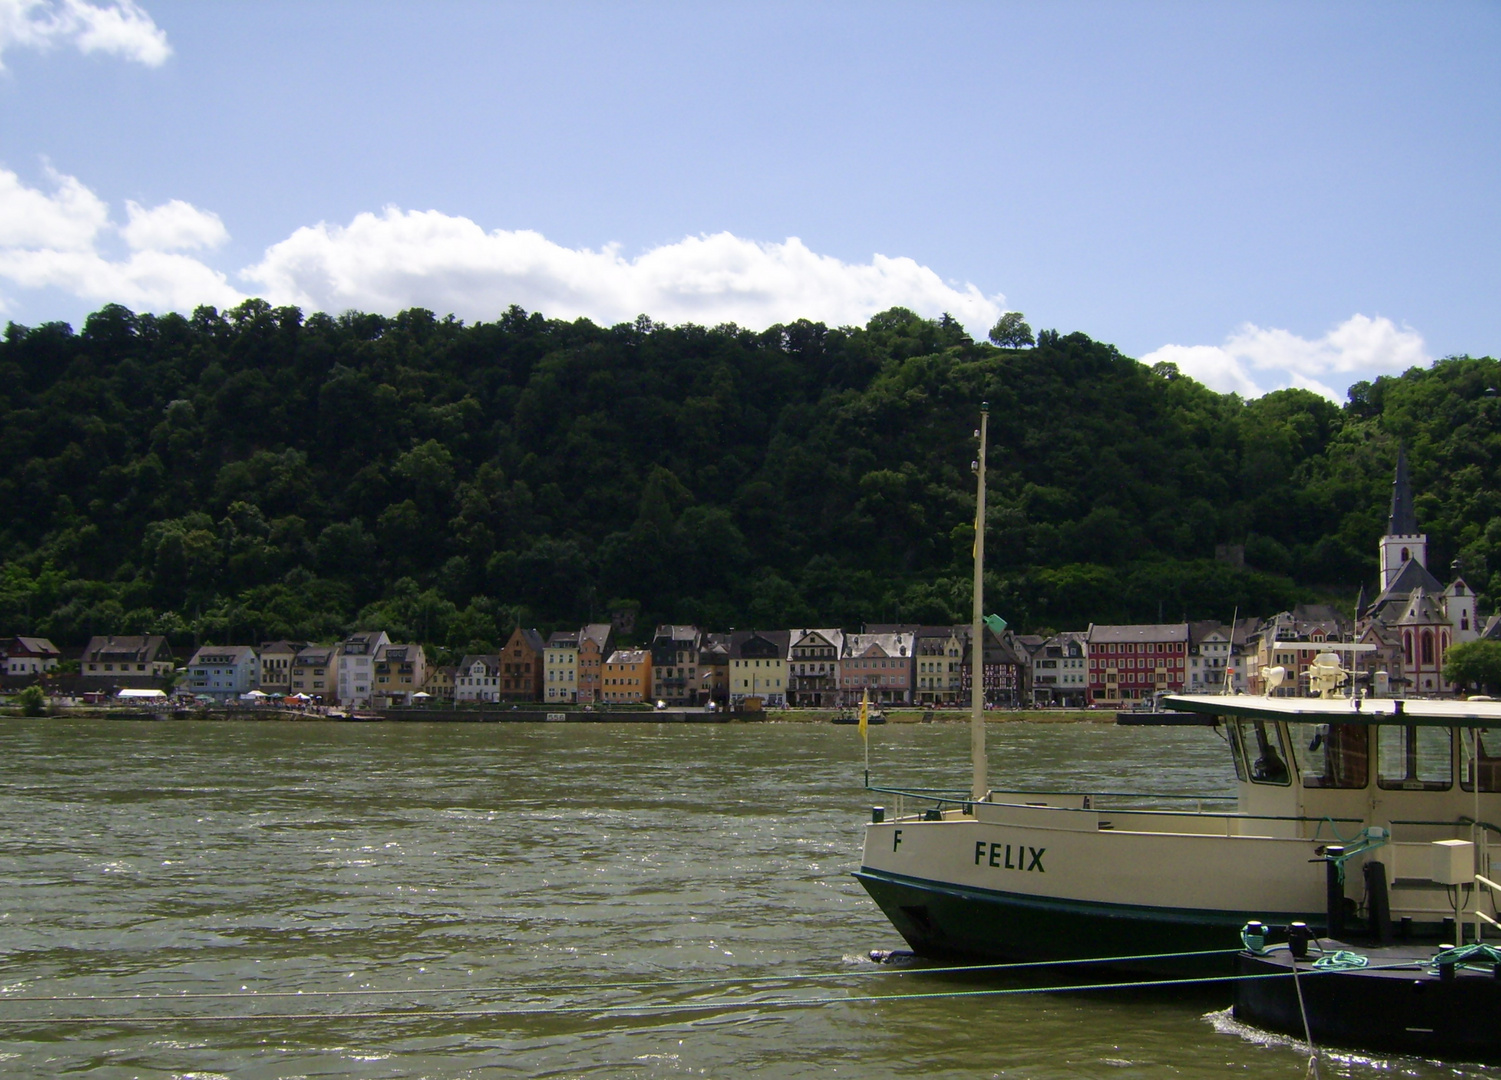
254, 474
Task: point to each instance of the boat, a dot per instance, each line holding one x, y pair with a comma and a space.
1370, 786
852, 716
1404, 999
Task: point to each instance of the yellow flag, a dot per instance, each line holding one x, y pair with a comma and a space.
864, 713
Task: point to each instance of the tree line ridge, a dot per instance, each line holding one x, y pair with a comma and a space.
258, 473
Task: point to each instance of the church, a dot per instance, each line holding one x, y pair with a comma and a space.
1414, 618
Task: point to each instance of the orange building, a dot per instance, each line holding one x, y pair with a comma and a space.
627, 676
596, 642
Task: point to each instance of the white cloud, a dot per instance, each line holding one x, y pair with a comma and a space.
172, 226
68, 220
65, 239
56, 241
122, 28
1254, 361
397, 259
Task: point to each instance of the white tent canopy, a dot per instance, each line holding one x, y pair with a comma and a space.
130, 694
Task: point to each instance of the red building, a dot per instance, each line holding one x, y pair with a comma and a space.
1128, 664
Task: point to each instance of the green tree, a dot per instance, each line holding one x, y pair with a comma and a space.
1012, 332
33, 701
1475, 664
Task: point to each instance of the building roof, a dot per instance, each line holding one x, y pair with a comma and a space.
128, 649
765, 642
562, 639
1393, 598
899, 644
314, 656
675, 632
222, 654
398, 654
597, 632
490, 660
628, 656
1138, 632
31, 646
531, 637
282, 646
828, 636
1422, 610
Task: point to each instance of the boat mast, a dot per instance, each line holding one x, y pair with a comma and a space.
977, 629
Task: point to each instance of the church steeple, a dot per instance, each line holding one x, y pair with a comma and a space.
1402, 540
1403, 519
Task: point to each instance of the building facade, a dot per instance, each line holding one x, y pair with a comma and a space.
477, 679
30, 656
813, 667
314, 673
400, 673
355, 664
627, 677
223, 672
561, 668
1131, 664
758, 668
143, 662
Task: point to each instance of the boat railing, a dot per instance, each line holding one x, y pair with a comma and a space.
1120, 801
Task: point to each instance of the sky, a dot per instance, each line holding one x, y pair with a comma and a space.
1266, 194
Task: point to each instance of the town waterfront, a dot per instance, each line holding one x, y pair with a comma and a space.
516, 869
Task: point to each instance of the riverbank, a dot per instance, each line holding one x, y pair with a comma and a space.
492, 714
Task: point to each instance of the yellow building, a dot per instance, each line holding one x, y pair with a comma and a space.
400, 672
627, 676
560, 668
758, 667
312, 672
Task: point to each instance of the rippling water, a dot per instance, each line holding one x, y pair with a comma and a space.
553, 900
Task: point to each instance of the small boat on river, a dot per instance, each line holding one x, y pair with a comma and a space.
1358, 791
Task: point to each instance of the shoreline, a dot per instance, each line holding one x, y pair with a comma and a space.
535, 714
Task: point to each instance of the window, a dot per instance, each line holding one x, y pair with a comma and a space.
1265, 754
1332, 755
1413, 758
1490, 759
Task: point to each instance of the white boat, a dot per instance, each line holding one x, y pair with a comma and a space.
1326, 787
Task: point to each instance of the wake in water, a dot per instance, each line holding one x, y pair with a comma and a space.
1349, 1063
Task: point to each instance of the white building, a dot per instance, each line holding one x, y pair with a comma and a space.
356, 667
478, 679
30, 656
1060, 671
224, 672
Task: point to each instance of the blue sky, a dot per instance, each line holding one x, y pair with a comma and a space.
1267, 194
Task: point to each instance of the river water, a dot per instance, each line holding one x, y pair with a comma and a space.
535, 900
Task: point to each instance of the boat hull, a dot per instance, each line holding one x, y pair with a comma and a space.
952, 922
1038, 882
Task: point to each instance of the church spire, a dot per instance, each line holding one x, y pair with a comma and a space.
1403, 520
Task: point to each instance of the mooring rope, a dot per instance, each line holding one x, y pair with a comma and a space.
717, 1005
1021, 965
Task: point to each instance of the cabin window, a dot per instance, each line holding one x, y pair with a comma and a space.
1266, 756
1332, 755
1490, 759
1237, 752
1413, 758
